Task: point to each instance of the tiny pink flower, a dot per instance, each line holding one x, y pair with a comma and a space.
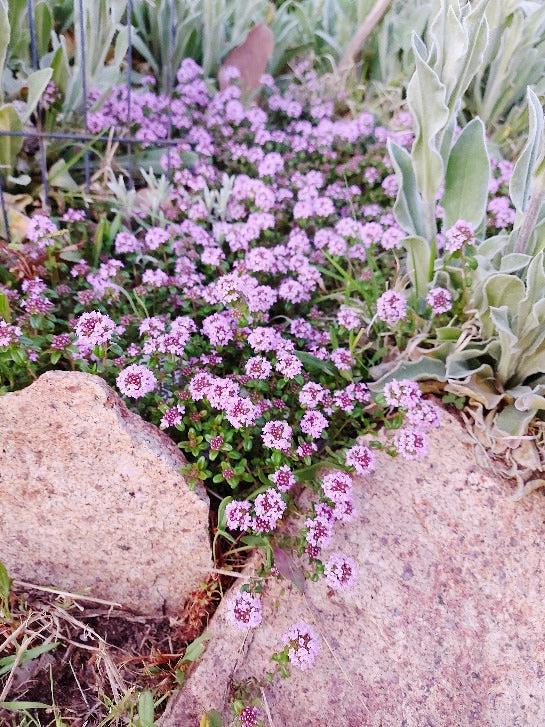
391, 307
269, 507
249, 717
348, 318
313, 423
8, 334
172, 417
258, 367
361, 458
306, 449
244, 610
340, 572
94, 329
404, 394
155, 237
303, 645
283, 478
460, 234
342, 358
411, 443
424, 416
288, 365
136, 381
277, 435
337, 485
237, 514
440, 300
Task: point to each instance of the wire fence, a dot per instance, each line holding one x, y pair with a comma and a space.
83, 137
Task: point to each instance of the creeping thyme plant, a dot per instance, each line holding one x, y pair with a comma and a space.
242, 313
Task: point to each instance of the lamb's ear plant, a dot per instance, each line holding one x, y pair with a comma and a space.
12, 117
438, 161
504, 368
514, 59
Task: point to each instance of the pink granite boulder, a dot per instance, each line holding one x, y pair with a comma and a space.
92, 499
443, 628
250, 58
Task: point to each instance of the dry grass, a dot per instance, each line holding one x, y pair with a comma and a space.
88, 661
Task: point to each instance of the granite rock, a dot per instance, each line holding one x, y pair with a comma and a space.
92, 499
444, 626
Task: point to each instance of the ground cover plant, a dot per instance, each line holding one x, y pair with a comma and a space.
284, 254
238, 311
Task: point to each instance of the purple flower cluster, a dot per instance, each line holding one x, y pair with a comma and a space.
302, 644
421, 416
244, 610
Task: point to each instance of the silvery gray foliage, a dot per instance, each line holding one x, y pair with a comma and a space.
505, 369
514, 59
440, 162
14, 116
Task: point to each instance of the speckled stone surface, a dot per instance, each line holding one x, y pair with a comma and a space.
92, 500
445, 627
250, 58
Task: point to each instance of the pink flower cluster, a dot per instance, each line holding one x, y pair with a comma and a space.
303, 645
421, 416
244, 610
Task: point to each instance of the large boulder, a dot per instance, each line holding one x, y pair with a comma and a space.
92, 499
444, 626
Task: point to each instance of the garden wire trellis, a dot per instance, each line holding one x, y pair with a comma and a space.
84, 137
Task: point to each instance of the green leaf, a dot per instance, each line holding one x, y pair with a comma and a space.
221, 511
146, 709
211, 719
448, 333
408, 204
418, 263
72, 256
513, 422
7, 661
520, 184
196, 648
426, 100
59, 176
36, 83
5, 582
4, 40
312, 363
467, 177
60, 66
5, 310
450, 44
22, 706
10, 146
43, 21
508, 340
476, 27
419, 370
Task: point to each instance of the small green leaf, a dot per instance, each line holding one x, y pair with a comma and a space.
7, 661
312, 363
419, 257
467, 177
22, 706
5, 310
146, 709
520, 185
10, 146
196, 648
36, 83
408, 205
211, 719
